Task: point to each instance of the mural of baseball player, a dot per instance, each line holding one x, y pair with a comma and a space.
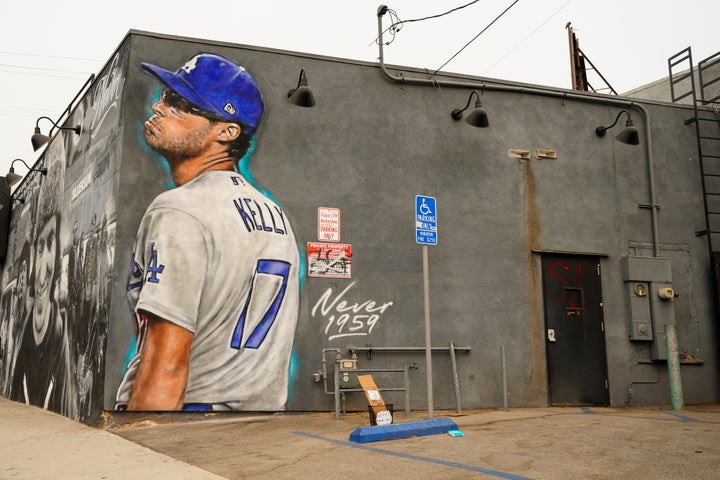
214, 283
16, 309
44, 368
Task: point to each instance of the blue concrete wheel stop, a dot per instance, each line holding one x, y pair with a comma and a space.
402, 430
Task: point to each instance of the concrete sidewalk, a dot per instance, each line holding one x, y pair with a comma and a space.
532, 443
37, 444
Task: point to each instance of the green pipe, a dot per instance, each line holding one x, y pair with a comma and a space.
673, 361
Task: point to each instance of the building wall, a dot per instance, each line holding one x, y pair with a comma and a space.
56, 277
368, 148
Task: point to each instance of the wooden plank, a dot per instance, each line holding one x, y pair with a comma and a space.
375, 400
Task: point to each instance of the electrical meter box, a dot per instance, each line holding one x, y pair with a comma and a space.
348, 374
649, 301
638, 308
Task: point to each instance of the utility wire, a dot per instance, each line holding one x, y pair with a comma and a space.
21, 54
526, 37
396, 25
475, 38
40, 69
438, 15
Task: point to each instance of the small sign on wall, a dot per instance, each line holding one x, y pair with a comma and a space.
330, 260
426, 230
328, 224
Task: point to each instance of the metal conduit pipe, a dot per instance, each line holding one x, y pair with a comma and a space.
451, 349
354, 349
605, 100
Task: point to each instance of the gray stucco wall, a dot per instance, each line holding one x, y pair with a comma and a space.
370, 146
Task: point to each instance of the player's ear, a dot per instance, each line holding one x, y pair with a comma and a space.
228, 132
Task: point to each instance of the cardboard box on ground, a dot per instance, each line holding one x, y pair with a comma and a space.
379, 411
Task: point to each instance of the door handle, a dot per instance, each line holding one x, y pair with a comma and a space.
551, 335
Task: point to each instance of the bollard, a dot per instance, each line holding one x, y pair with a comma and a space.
503, 366
673, 361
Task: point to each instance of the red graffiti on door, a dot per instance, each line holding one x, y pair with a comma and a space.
570, 277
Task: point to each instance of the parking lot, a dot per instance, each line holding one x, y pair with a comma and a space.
536, 443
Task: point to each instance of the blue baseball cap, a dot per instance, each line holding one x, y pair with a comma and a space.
217, 85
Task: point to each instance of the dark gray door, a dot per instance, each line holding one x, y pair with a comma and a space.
574, 334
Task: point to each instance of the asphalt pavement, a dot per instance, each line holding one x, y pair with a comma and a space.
523, 443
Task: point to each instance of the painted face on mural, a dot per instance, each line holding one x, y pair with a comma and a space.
23, 296
22, 279
175, 131
45, 254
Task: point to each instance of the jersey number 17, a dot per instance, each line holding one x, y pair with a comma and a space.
265, 297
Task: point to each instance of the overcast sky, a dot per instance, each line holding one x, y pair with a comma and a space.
49, 49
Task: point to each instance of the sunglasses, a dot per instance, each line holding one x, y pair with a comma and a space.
174, 100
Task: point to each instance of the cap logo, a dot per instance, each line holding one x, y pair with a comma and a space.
229, 108
190, 65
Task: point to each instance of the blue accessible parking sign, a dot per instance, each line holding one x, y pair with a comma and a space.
425, 220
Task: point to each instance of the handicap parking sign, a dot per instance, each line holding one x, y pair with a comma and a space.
425, 220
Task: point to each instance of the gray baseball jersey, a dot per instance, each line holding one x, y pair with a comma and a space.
218, 258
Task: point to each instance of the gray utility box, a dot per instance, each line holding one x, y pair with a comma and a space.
348, 376
649, 299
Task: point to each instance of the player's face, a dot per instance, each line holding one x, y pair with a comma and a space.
174, 130
21, 279
45, 252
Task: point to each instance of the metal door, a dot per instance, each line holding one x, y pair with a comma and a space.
575, 337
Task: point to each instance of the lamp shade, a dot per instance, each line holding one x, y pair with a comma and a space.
38, 139
629, 135
13, 178
478, 117
302, 96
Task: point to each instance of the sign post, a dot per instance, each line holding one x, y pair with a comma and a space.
426, 234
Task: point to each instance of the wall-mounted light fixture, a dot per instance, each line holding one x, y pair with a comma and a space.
13, 178
628, 135
38, 139
11, 198
301, 95
478, 117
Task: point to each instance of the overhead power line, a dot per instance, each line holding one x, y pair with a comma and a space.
527, 37
60, 57
396, 25
42, 69
438, 15
475, 37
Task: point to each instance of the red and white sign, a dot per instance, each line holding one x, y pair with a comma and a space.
328, 224
329, 260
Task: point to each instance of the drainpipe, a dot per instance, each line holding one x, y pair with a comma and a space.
673, 360
382, 10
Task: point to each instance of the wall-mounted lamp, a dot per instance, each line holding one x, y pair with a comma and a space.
11, 198
301, 95
13, 178
628, 135
478, 117
38, 139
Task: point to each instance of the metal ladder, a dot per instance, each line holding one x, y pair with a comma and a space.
707, 130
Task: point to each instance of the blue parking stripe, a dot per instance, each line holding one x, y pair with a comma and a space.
684, 418
462, 466
677, 416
